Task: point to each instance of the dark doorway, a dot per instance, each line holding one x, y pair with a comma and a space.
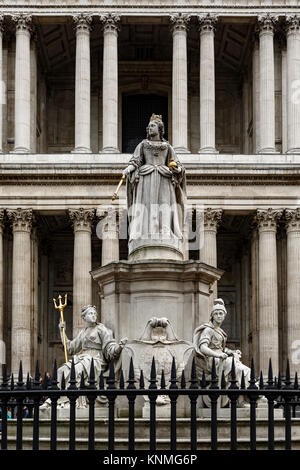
136, 112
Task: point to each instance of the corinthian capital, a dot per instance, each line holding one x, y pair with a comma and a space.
23, 22
82, 218
212, 218
266, 23
207, 23
267, 219
292, 23
21, 219
179, 22
82, 22
111, 22
292, 218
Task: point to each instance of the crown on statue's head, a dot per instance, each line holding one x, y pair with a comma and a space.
156, 117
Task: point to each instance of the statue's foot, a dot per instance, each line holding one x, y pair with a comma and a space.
46, 404
162, 400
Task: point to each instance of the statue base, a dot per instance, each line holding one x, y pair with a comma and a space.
155, 249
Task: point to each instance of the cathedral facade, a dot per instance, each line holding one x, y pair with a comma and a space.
79, 82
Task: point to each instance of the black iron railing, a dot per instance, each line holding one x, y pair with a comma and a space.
279, 392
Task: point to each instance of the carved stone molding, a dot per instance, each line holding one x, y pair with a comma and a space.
292, 219
207, 23
212, 218
82, 22
23, 22
267, 219
292, 23
82, 218
179, 22
110, 22
266, 23
21, 219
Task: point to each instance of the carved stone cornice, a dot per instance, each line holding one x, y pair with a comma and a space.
110, 22
207, 23
212, 218
179, 22
292, 219
21, 219
82, 22
81, 218
292, 23
23, 22
267, 219
266, 23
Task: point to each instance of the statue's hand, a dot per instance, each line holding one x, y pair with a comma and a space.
223, 356
62, 325
123, 341
128, 170
238, 353
176, 169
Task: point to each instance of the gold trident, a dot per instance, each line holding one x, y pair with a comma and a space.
61, 308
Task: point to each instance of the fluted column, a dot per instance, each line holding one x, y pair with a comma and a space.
293, 284
207, 84
293, 81
2, 91
1, 278
82, 84
284, 98
110, 83
109, 233
21, 220
268, 334
255, 92
82, 281
266, 25
22, 84
179, 23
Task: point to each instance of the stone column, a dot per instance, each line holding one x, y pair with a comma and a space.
284, 98
293, 283
207, 84
179, 23
21, 220
268, 335
33, 93
255, 91
82, 281
266, 26
22, 84
1, 278
110, 83
254, 295
293, 84
109, 233
2, 90
82, 84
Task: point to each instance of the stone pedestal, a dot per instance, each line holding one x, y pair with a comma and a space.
132, 293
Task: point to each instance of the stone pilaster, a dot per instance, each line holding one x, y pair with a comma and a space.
179, 24
292, 217
268, 334
110, 83
266, 26
207, 84
22, 84
1, 277
21, 338
293, 80
82, 84
109, 218
82, 282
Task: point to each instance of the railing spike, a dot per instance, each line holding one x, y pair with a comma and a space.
279, 381
28, 382
203, 380
72, 381
287, 375
153, 380
36, 382
53, 382
82, 381
121, 381
243, 383
193, 381
12, 382
173, 381
214, 380
162, 380
111, 381
101, 381
63, 381
142, 381
223, 381
92, 381
261, 381
131, 376
270, 375
182, 382
20, 383
296, 385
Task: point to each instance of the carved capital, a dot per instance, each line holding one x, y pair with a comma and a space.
292, 23
110, 22
212, 218
266, 23
179, 22
207, 23
23, 22
267, 219
82, 22
21, 219
292, 219
82, 218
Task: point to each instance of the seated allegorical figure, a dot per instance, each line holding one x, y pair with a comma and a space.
210, 342
95, 341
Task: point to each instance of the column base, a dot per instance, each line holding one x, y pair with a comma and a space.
294, 151
20, 150
110, 150
181, 150
208, 150
81, 150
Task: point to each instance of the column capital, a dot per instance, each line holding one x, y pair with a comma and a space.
179, 22
23, 22
212, 218
82, 218
292, 23
267, 219
110, 22
266, 23
21, 219
82, 22
292, 219
207, 23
